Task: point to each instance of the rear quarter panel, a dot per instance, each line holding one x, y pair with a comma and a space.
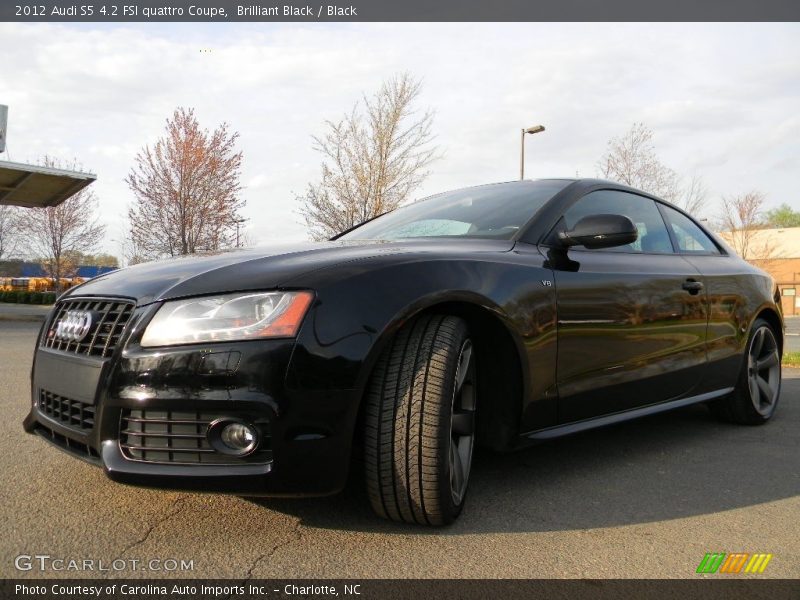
737, 293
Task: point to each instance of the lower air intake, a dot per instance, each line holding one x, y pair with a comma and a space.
179, 437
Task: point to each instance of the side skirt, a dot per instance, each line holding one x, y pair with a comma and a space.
652, 409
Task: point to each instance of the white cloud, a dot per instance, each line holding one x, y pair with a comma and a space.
721, 98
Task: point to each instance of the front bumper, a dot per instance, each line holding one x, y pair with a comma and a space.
85, 405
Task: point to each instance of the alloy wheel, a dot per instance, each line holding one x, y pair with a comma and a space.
462, 427
763, 370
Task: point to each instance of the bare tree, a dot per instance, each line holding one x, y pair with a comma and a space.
740, 224
693, 196
9, 231
187, 190
632, 160
246, 239
374, 158
57, 234
131, 254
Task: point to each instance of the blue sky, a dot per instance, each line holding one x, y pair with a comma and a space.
722, 99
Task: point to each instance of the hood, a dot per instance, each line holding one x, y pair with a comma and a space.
259, 268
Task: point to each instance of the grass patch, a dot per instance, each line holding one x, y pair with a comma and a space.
791, 359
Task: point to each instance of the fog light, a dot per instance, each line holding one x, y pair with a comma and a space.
238, 436
232, 437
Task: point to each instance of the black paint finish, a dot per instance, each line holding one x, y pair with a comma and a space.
563, 336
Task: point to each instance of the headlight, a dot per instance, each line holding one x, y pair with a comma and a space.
243, 316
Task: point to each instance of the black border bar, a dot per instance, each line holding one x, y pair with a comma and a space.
716, 587
398, 10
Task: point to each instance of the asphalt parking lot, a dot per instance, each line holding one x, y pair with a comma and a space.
642, 499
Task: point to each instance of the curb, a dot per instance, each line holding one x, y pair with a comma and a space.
23, 318
32, 314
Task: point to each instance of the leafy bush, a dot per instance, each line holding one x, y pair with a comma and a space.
11, 296
49, 298
36, 298
24, 297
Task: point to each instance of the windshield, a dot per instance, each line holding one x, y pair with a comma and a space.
491, 211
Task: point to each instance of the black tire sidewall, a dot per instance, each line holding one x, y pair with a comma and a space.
450, 510
408, 476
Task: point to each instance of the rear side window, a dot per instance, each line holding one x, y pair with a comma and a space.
688, 235
653, 236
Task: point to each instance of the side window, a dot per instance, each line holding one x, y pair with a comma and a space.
688, 235
653, 235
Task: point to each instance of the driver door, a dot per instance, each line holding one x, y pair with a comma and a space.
630, 333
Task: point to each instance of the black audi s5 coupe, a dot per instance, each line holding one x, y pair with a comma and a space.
502, 315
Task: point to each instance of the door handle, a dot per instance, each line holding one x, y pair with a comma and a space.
692, 286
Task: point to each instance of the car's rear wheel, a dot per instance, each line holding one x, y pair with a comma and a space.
757, 391
420, 422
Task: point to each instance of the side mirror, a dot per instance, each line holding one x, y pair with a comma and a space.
600, 231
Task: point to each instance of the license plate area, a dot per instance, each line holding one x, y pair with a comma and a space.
67, 376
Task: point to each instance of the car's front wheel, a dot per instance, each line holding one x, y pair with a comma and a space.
420, 422
758, 388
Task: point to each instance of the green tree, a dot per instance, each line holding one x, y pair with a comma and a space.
99, 260
783, 216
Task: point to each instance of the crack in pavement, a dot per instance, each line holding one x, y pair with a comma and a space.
173, 510
295, 536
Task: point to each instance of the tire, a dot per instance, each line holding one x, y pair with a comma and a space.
420, 423
755, 397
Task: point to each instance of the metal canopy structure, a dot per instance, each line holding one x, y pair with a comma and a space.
33, 186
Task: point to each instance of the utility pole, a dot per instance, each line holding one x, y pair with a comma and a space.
238, 223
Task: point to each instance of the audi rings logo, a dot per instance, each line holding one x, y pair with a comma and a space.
74, 325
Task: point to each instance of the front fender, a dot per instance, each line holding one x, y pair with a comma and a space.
361, 305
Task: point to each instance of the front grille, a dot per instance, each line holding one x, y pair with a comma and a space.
76, 448
71, 413
109, 318
179, 437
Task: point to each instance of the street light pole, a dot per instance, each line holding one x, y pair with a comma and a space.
531, 130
